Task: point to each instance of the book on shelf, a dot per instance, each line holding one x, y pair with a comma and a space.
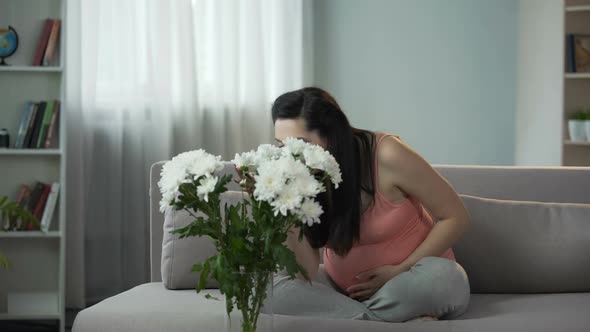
45, 125
22, 128
23, 195
40, 206
42, 44
52, 43
48, 43
39, 126
36, 196
50, 207
30, 124
22, 199
53, 130
569, 47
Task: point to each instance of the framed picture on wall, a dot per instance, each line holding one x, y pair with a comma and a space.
582, 52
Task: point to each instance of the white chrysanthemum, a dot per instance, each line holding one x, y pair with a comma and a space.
267, 152
246, 159
206, 186
287, 201
182, 169
269, 182
292, 167
307, 185
310, 212
335, 175
204, 165
294, 146
317, 158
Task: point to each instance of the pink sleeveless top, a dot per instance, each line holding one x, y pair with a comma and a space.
389, 233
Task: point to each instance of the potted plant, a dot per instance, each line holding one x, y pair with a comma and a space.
577, 127
280, 191
10, 212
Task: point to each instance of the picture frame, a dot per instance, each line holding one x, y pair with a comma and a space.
582, 53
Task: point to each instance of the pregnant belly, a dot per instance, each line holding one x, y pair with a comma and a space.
343, 270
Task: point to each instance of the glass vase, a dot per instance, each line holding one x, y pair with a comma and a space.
252, 310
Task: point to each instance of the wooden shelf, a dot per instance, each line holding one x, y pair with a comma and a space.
571, 9
34, 69
30, 152
30, 234
568, 142
577, 75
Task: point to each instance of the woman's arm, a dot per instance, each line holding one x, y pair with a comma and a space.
413, 175
307, 257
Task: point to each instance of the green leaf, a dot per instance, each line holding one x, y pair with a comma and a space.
218, 268
211, 297
198, 227
285, 258
197, 268
237, 243
222, 183
3, 200
4, 261
229, 305
204, 274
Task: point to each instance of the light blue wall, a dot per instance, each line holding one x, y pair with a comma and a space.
440, 73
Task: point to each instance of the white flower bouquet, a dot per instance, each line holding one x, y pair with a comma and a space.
280, 186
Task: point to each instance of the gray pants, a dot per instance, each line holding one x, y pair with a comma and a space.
434, 286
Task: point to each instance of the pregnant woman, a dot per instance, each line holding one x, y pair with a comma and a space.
384, 257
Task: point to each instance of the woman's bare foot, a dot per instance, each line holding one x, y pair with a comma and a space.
422, 319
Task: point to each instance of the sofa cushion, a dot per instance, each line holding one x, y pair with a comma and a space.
179, 255
526, 247
525, 312
153, 308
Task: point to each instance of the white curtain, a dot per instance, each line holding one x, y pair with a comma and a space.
146, 80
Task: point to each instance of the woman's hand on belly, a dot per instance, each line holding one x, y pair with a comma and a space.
372, 280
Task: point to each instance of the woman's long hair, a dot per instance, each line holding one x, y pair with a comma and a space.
353, 149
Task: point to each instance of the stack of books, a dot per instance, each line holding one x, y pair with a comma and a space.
47, 45
39, 126
40, 201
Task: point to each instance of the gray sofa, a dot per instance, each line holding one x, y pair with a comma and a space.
529, 264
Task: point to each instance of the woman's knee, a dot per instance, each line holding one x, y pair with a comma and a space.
443, 270
449, 282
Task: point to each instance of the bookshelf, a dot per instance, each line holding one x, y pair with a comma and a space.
33, 289
576, 84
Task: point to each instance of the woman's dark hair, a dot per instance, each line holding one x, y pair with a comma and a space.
353, 149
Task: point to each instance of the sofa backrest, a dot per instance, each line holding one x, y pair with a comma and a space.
541, 184
537, 184
157, 217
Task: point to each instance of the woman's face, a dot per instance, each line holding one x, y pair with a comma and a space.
296, 128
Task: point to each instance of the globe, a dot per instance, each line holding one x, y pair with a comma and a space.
8, 43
